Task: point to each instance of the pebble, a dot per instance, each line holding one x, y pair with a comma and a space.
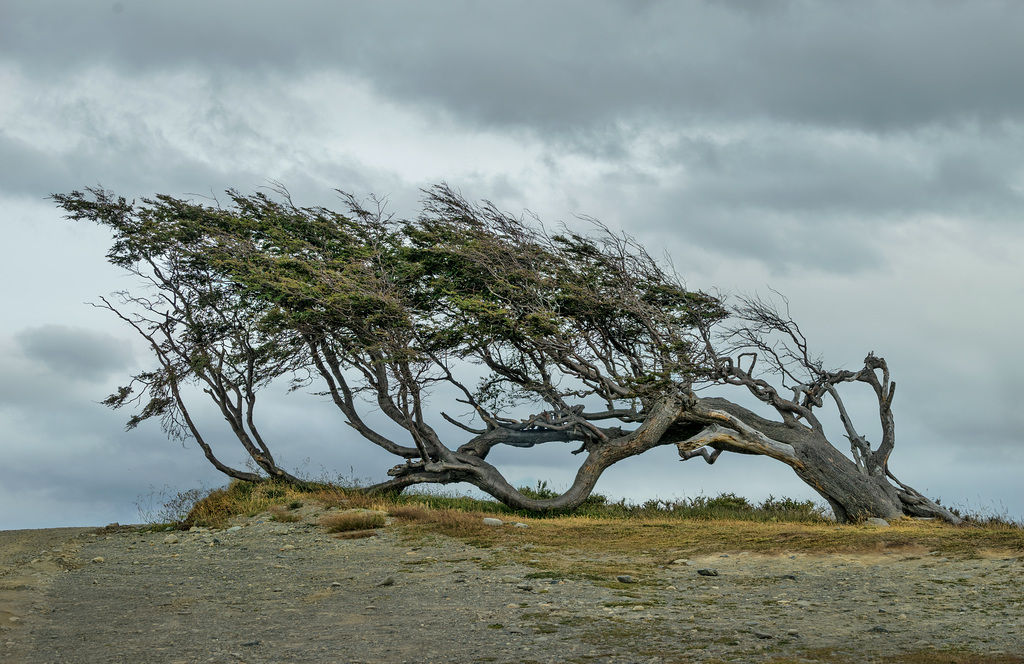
878, 523
625, 578
99, 559
707, 571
389, 581
287, 547
233, 529
171, 539
491, 521
517, 524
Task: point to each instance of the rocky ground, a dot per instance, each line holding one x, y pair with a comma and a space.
265, 591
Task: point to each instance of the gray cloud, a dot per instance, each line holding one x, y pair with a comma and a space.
877, 66
865, 158
75, 353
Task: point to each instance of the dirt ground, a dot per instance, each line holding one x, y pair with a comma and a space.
288, 592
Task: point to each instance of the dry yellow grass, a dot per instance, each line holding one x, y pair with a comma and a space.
352, 521
664, 537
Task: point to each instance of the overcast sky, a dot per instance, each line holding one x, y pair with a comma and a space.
866, 159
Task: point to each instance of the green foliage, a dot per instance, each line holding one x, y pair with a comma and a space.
238, 295
540, 492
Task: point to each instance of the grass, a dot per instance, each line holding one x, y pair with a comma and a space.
658, 531
352, 521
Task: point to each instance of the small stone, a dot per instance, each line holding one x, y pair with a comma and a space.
707, 571
625, 578
680, 561
670, 588
171, 539
517, 524
14, 619
639, 607
335, 584
791, 577
878, 629
525, 587
233, 529
763, 635
287, 547
509, 579
876, 522
389, 581
491, 521
792, 632
99, 559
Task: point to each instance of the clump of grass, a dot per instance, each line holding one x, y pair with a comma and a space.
352, 521
280, 513
238, 498
450, 522
217, 507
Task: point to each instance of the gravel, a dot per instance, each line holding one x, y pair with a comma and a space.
272, 592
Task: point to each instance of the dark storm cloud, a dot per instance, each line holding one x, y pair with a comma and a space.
75, 352
870, 65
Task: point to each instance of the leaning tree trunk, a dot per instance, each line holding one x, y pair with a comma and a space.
853, 491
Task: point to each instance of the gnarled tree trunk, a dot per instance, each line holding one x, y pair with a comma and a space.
852, 491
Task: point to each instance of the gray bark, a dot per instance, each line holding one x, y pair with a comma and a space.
852, 491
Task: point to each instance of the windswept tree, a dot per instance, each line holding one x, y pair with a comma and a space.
571, 338
204, 332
